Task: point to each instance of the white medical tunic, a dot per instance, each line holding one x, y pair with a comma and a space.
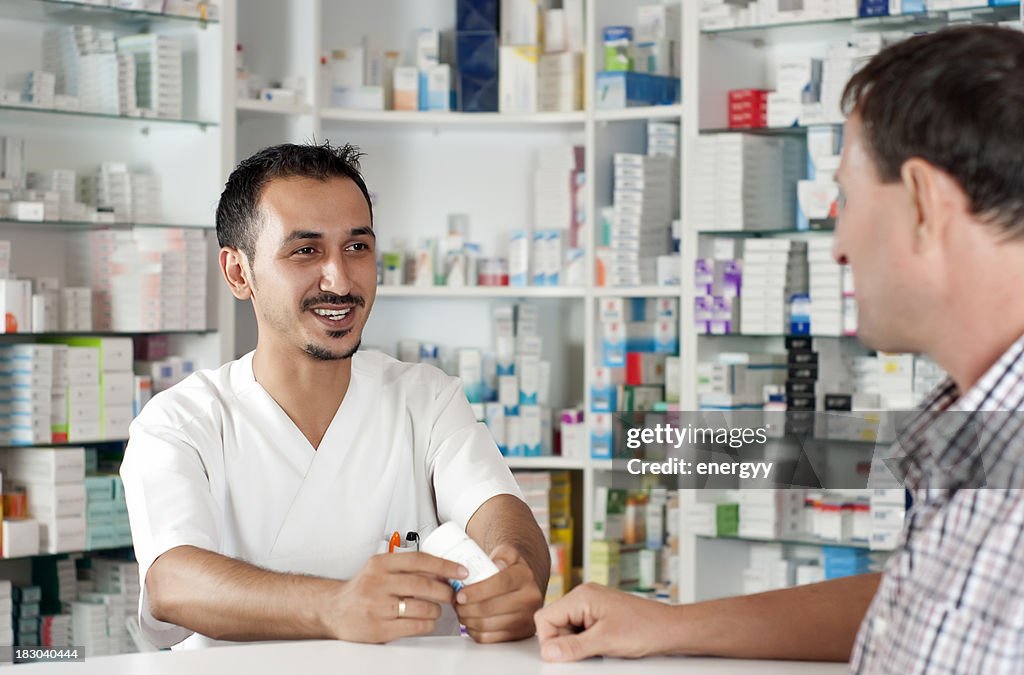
215, 463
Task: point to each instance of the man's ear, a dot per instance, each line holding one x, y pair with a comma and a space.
233, 267
936, 198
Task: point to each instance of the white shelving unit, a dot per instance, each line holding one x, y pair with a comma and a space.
716, 62
185, 153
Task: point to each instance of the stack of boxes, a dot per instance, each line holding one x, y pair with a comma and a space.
117, 581
738, 380
63, 182
768, 570
6, 614
774, 273
641, 67
637, 336
833, 307
26, 602
106, 83
55, 629
718, 280
130, 196
106, 513
801, 385
40, 89
66, 51
476, 48
548, 496
631, 547
57, 577
147, 279
29, 371
536, 75
748, 108
53, 479
797, 85
818, 194
770, 514
519, 55
645, 192
157, 73
745, 182
110, 412
89, 626
559, 214
118, 608
520, 419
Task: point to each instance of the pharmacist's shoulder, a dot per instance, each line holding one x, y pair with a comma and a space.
202, 396
398, 376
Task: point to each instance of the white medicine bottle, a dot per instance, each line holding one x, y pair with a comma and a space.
451, 542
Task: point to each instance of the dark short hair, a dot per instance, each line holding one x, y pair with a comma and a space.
954, 98
238, 210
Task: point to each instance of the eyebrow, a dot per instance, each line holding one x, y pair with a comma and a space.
299, 235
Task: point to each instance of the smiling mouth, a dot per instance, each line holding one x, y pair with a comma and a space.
333, 314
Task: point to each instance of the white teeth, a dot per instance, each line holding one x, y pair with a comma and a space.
335, 314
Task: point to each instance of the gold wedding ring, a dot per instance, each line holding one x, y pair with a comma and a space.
401, 608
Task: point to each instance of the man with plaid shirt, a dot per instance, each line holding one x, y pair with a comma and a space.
932, 225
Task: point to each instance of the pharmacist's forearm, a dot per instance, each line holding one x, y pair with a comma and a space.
505, 519
227, 599
814, 622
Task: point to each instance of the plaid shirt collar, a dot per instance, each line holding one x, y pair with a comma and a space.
944, 444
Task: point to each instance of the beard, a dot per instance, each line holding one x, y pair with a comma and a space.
320, 353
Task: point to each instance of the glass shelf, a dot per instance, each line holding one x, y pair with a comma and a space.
88, 13
202, 125
773, 335
828, 29
88, 333
86, 550
795, 541
109, 441
763, 233
89, 225
768, 131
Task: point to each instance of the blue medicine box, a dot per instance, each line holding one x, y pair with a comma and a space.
619, 89
477, 76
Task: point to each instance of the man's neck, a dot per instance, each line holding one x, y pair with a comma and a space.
307, 389
980, 326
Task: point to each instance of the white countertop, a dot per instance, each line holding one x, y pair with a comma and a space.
416, 656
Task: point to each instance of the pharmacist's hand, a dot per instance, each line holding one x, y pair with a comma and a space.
501, 608
369, 607
594, 620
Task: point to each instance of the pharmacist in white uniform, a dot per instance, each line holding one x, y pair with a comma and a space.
263, 494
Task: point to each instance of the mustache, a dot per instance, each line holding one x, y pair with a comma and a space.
332, 299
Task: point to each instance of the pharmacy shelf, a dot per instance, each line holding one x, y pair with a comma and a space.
50, 555
828, 29
448, 292
770, 335
88, 225
767, 131
89, 333
414, 119
77, 444
63, 11
638, 292
792, 541
29, 110
764, 233
254, 105
549, 463
653, 112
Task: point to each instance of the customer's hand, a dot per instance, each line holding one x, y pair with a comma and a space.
593, 620
501, 608
393, 596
